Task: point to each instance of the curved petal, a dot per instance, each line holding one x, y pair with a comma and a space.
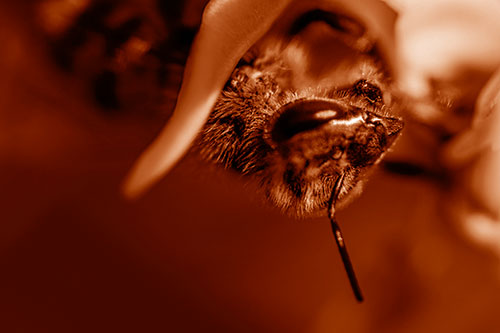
228, 30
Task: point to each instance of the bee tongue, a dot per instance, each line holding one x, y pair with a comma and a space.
339, 239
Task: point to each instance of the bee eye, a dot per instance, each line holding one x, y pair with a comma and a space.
369, 91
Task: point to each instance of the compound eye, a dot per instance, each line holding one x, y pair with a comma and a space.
369, 91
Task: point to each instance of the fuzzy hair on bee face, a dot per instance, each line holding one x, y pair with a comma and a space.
299, 111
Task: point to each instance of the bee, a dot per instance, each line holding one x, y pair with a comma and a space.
294, 115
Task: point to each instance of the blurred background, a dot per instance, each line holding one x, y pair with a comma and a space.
200, 252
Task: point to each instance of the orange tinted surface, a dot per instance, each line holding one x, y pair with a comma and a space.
200, 253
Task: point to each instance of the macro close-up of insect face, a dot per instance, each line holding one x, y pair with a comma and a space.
307, 103
186, 166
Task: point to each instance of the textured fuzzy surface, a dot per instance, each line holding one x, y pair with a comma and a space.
297, 175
